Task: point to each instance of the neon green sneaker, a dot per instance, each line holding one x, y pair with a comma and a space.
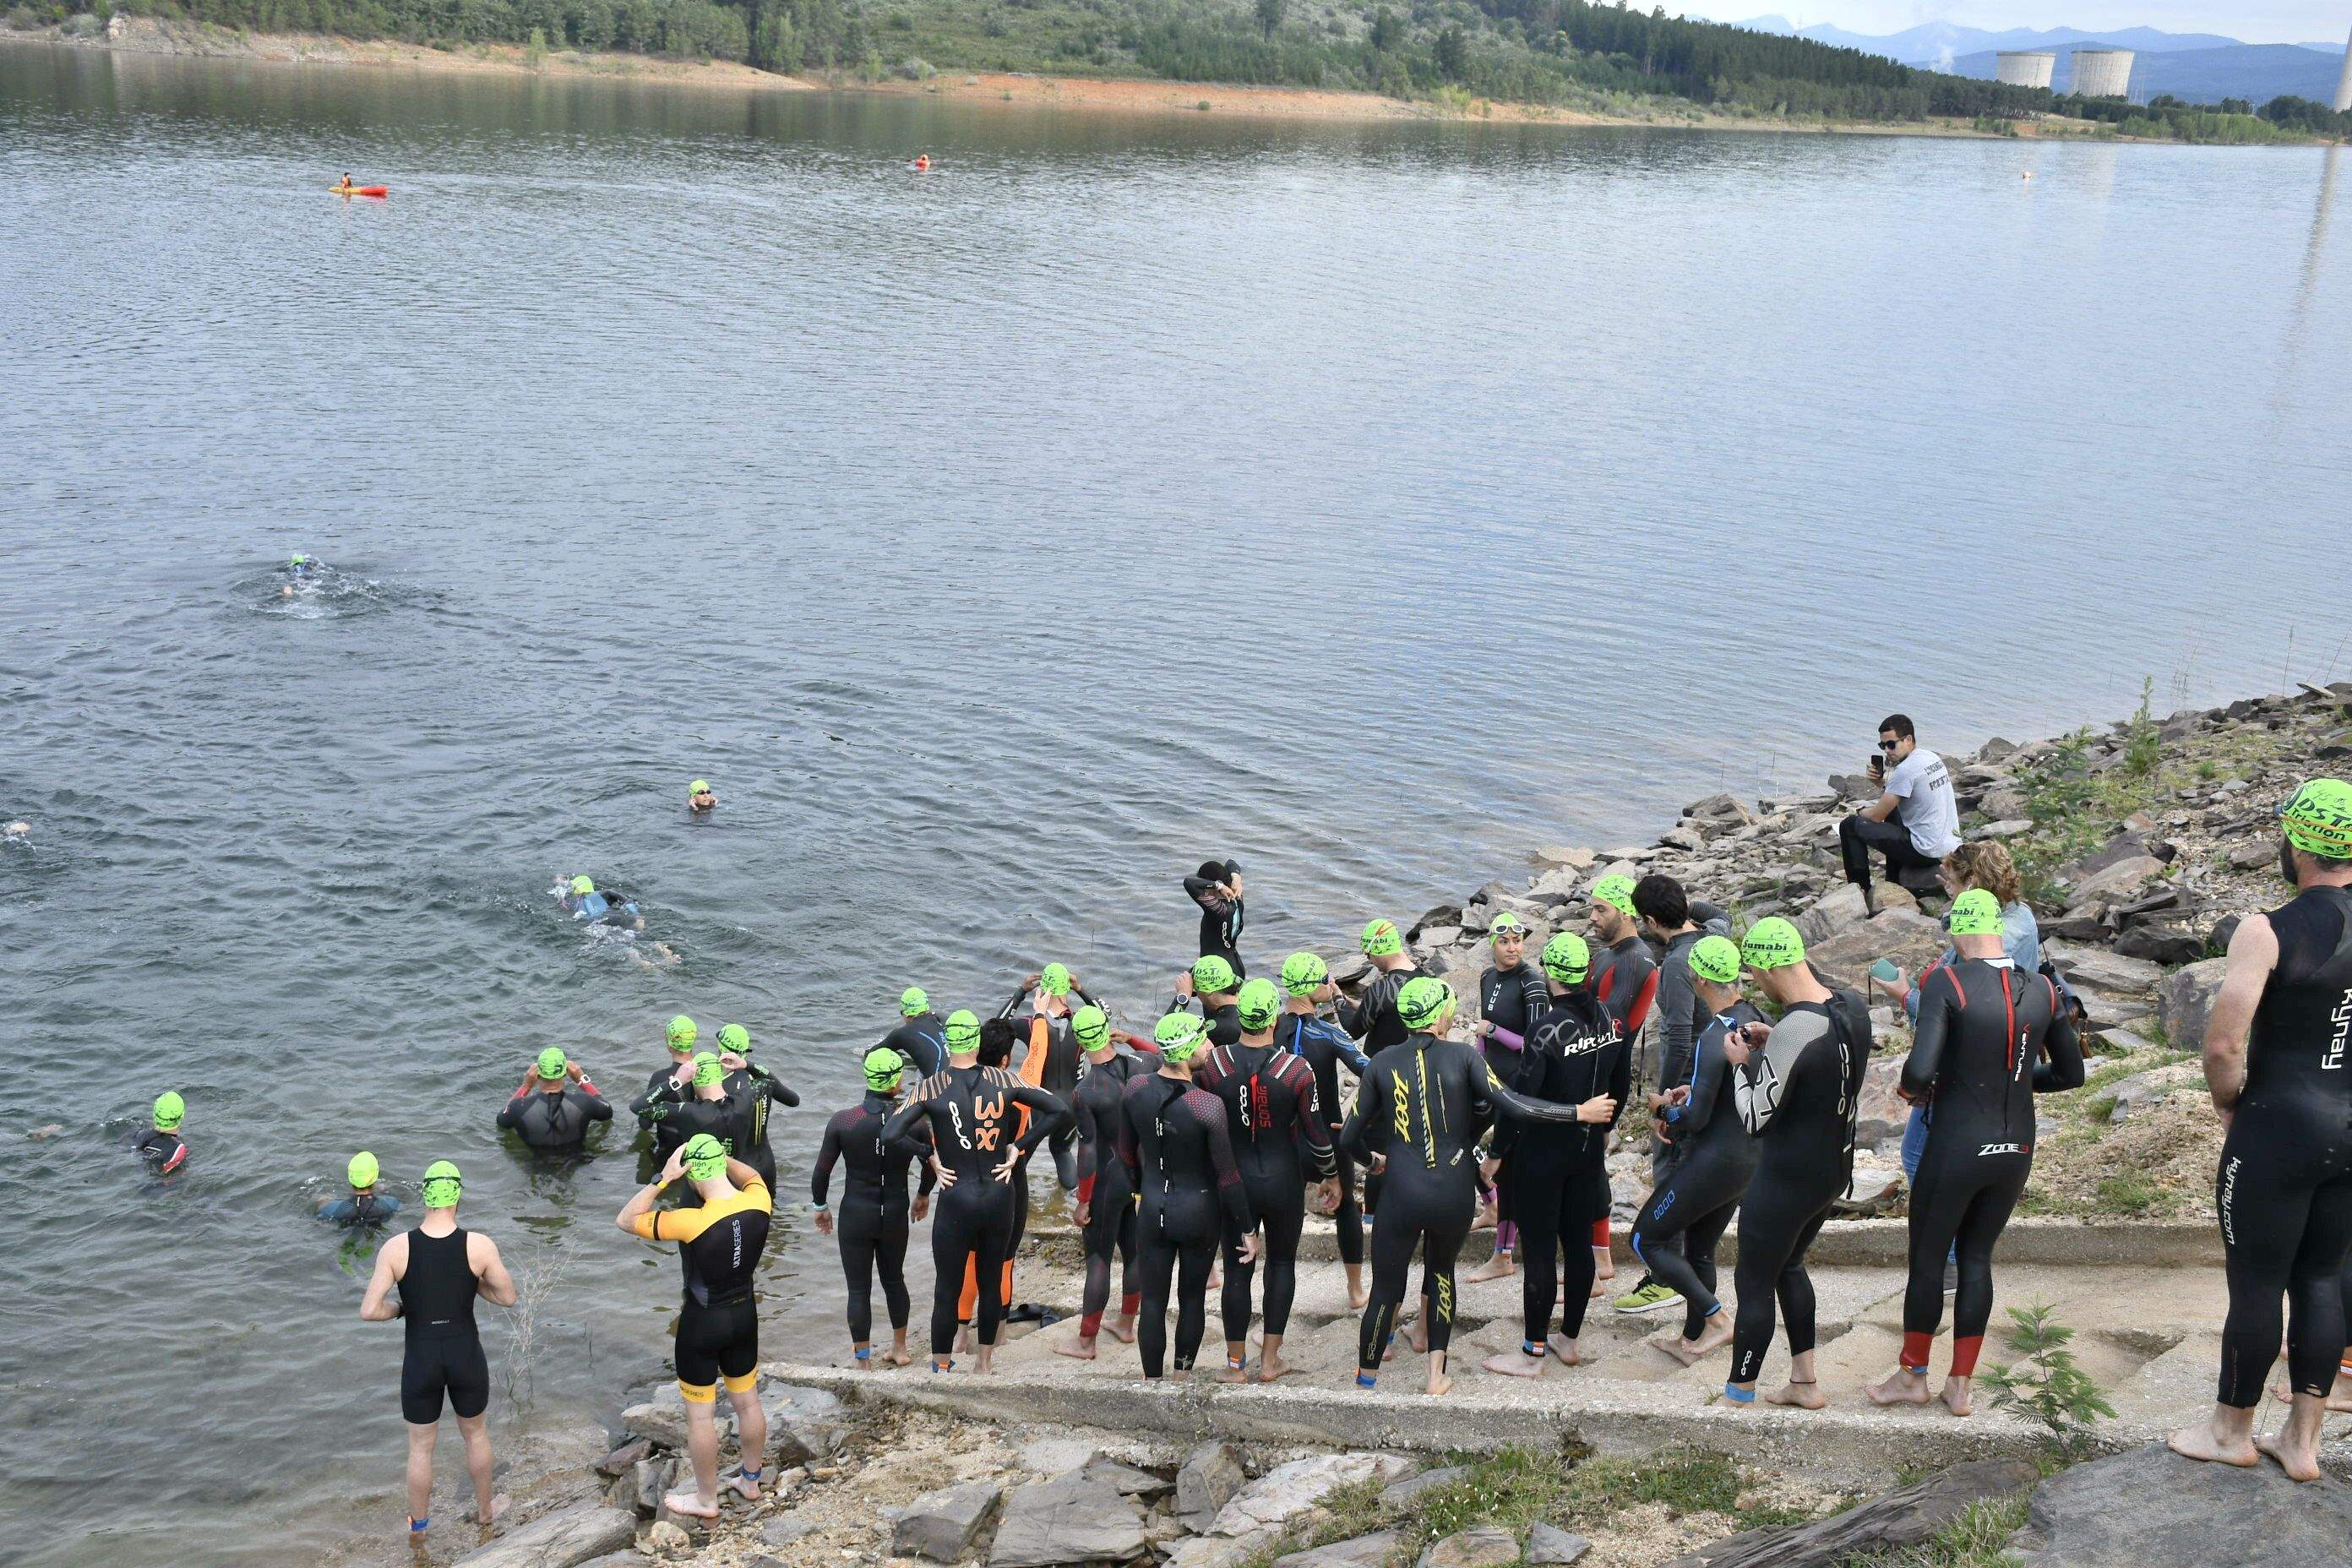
1650, 1296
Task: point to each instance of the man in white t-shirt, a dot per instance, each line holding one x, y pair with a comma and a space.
1915, 822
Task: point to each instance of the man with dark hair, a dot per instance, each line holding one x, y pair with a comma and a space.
1914, 823
1665, 913
1216, 887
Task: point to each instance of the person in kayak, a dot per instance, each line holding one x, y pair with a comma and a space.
1216, 887
1574, 1055
1212, 983
875, 1216
1305, 1033
1105, 1210
698, 798
1179, 1156
556, 1105
668, 1088
1510, 993
1625, 979
751, 1089
160, 1146
919, 1037
968, 1107
1419, 1113
366, 1208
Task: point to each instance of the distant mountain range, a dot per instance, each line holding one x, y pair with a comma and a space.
2201, 67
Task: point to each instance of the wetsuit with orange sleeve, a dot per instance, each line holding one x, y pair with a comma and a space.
1035, 1069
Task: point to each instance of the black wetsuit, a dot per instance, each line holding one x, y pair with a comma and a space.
1982, 1033
1422, 1106
1104, 1187
922, 1040
2285, 1187
444, 1352
750, 1090
1560, 1173
1325, 1047
970, 1115
1223, 1022
1373, 1018
552, 1124
1059, 1076
663, 1095
874, 1220
1703, 1184
1281, 1143
1625, 976
681, 1119
1795, 1097
162, 1151
1173, 1142
1508, 1001
360, 1212
1221, 920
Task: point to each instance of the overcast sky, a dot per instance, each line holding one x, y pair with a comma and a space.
2256, 21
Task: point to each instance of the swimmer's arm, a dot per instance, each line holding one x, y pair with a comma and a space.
1052, 1113
903, 1120
744, 1176
491, 1269
2253, 955
828, 1150
599, 1108
377, 1306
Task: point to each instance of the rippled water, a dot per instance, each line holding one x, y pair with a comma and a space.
1368, 502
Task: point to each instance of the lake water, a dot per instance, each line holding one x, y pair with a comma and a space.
1370, 502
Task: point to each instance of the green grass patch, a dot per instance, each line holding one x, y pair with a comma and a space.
2132, 1195
1977, 1537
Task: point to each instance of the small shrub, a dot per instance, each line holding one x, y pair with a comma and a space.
2142, 742
2047, 1384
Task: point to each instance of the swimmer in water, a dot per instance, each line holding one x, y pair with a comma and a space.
583, 900
17, 829
301, 568
161, 1147
698, 797
366, 1208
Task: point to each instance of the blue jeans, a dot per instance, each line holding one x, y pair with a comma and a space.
1915, 1148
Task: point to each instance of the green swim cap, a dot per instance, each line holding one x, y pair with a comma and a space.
1504, 924
1423, 1000
1716, 958
735, 1038
706, 1157
912, 1003
170, 1111
1090, 1026
1380, 938
1303, 974
682, 1033
1257, 1004
1773, 943
550, 1062
443, 1185
1179, 1035
298, 559
1568, 958
1211, 973
882, 1066
1054, 981
699, 786
363, 1169
1616, 891
1975, 913
2319, 819
962, 1032
707, 1068
582, 887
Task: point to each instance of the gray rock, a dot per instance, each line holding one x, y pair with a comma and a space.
2102, 970
1577, 858
1349, 968
1211, 1475
1058, 1456
2165, 944
1550, 1545
1909, 938
2185, 1000
1440, 915
1689, 841
1872, 1188
2144, 1089
1067, 1519
1292, 1488
1996, 750
1221, 1551
1401, 1493
627, 1558
2150, 1508
1556, 886
946, 1524
786, 1528
2121, 877
1887, 896
2004, 801
622, 1457
1902, 1518
1487, 1546
1362, 1552
649, 1479
563, 1539
1437, 936
1837, 909
804, 1425
1125, 1479
2003, 827
2252, 857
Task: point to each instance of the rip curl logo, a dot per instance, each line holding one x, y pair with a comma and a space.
2000, 1149
2342, 1019
2228, 1205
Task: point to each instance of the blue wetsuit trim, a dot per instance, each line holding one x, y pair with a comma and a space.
1738, 1395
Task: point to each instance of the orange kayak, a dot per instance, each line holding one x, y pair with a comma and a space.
360, 190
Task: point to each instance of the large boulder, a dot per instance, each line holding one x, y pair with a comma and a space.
563, 1539
2101, 970
2185, 1000
1292, 1488
1575, 857
1911, 939
1070, 1518
2150, 1508
1837, 909
1485, 1546
945, 1525
1903, 1518
2112, 882
1549, 1546
2165, 944
1400, 1494
1211, 1475
804, 1425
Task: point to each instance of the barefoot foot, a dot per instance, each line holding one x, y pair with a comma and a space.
1076, 1349
691, 1505
2301, 1464
1803, 1395
1502, 1266
1900, 1388
1272, 1369
1229, 1372
1515, 1363
1123, 1330
2201, 1442
1570, 1351
1958, 1398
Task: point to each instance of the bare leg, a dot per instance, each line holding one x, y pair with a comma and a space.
1236, 1367
2339, 1398
1905, 1386
1956, 1396
2296, 1446
702, 1447
750, 1440
1803, 1389
476, 1431
1604, 1264
1438, 1380
899, 1356
1270, 1364
1502, 1266
986, 1360
2227, 1438
1713, 1337
863, 1349
420, 1470
1356, 1297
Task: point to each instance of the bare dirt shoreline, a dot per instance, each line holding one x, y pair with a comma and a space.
149, 36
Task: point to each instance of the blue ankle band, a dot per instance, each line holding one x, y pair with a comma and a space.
418, 1526
1528, 1347
1367, 1380
863, 1352
1738, 1395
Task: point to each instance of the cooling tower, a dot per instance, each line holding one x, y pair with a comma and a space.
2024, 68
2103, 73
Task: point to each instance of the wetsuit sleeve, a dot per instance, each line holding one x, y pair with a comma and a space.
1049, 1114
1313, 1130
923, 1156
1206, 894
1490, 1097
658, 1096
1209, 1113
1757, 1088
2061, 1045
902, 1122
1706, 1088
1018, 997
1358, 1017
510, 1113
599, 1109
1082, 1117
1129, 1154
1939, 1011
1675, 1004
1041, 1040
1345, 1049
1620, 1077
827, 1151
1372, 1110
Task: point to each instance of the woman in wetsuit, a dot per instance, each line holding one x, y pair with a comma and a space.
1418, 1118
1325, 1048
1173, 1142
970, 1109
1106, 1212
1510, 993
875, 1216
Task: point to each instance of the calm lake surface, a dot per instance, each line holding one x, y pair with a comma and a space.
1369, 502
